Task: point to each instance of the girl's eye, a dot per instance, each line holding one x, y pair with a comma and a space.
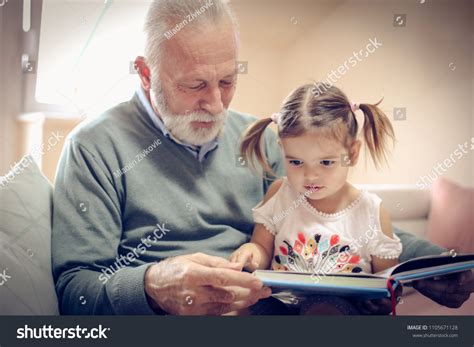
327, 162
295, 162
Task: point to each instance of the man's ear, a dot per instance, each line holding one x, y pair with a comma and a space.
354, 152
143, 72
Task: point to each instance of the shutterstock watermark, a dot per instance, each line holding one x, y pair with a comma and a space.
122, 261
189, 18
48, 332
342, 69
343, 258
4, 277
440, 168
138, 158
17, 168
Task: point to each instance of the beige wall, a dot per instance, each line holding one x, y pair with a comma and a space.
287, 43
290, 43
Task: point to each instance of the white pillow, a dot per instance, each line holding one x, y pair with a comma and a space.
26, 282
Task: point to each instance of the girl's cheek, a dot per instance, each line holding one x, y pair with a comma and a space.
342, 175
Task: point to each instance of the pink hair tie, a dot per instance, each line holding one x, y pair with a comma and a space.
275, 117
355, 107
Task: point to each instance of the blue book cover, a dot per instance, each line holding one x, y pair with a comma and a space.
292, 286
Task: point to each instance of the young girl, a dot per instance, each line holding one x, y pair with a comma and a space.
313, 220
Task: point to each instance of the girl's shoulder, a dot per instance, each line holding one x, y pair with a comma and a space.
363, 195
370, 198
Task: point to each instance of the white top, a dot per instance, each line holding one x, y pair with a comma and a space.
307, 240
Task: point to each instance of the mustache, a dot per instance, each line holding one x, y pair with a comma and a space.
204, 117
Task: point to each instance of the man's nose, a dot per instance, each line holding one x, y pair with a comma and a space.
212, 102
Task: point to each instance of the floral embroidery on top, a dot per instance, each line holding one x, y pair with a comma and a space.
316, 254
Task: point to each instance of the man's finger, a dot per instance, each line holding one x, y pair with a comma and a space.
466, 280
372, 307
239, 305
215, 309
363, 309
456, 301
218, 309
244, 293
376, 306
226, 277
210, 294
431, 286
384, 306
213, 261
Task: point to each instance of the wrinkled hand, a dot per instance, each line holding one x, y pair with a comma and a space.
247, 256
200, 284
451, 290
377, 306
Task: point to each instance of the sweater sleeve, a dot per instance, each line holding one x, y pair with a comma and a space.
86, 234
414, 247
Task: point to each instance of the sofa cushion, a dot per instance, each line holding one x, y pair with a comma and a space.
451, 218
26, 282
407, 204
403, 201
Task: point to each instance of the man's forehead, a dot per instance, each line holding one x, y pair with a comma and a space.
207, 54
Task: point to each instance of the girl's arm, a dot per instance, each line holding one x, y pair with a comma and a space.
258, 253
380, 264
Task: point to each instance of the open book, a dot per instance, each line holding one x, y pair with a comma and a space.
290, 286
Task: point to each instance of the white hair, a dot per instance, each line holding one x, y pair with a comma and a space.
163, 15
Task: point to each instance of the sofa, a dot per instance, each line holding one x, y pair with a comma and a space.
26, 283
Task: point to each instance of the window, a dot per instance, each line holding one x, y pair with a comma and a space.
85, 52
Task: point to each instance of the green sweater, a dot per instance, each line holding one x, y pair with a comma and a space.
127, 196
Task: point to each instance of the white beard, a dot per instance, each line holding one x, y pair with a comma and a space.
179, 125
181, 128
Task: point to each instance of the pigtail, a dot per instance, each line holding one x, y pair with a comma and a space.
251, 146
378, 131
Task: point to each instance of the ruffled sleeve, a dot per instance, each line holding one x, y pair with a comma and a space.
385, 247
273, 213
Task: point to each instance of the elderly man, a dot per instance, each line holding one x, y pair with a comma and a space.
150, 197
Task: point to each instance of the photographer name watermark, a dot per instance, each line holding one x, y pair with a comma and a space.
138, 158
294, 205
189, 18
